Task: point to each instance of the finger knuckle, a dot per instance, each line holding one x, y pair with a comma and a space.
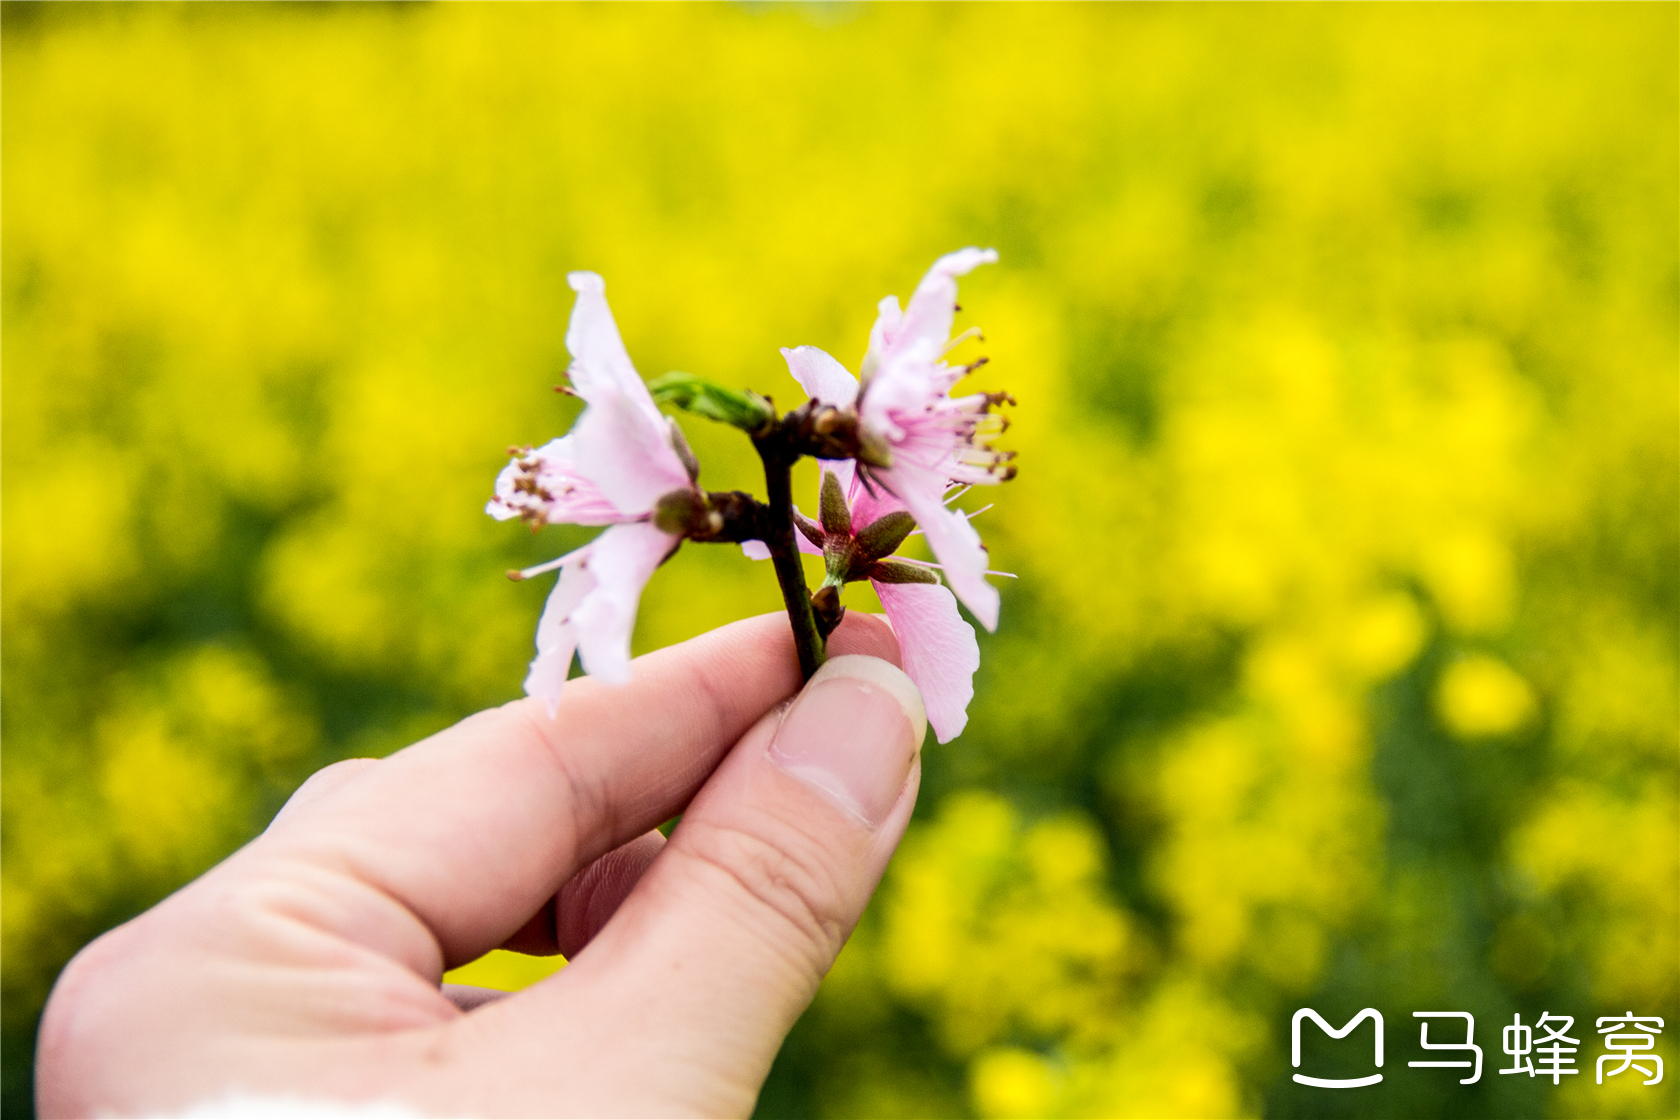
586, 790
786, 882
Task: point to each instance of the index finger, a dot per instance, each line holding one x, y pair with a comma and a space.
473, 829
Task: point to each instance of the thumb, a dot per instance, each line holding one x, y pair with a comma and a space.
714, 955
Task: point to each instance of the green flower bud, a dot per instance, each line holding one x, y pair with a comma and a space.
743, 408
835, 514
883, 536
896, 571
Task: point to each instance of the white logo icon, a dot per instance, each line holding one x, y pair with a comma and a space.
1347, 1028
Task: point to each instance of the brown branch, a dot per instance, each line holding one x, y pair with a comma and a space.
776, 450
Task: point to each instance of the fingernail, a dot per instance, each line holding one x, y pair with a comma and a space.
852, 734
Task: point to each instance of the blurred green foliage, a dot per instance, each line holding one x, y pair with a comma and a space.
1342, 669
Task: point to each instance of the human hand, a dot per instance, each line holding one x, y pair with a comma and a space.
308, 964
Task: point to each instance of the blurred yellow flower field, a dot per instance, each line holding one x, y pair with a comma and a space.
1343, 668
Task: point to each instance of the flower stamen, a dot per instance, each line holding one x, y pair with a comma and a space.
941, 567
971, 332
517, 574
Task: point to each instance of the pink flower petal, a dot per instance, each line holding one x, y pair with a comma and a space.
508, 502
844, 471
939, 650
598, 354
927, 321
625, 453
758, 550
571, 499
621, 559
888, 319
599, 360
956, 545
822, 378
556, 635
869, 502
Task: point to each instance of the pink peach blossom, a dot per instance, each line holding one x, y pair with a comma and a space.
934, 440
611, 469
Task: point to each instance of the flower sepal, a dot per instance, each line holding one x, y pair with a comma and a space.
833, 512
852, 559
897, 571
882, 536
851, 556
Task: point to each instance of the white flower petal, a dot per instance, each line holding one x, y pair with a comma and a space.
500, 507
822, 378
621, 559
927, 321
563, 495
557, 450
758, 550
625, 454
888, 320
599, 360
939, 650
556, 635
598, 354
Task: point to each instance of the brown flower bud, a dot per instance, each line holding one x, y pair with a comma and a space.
825, 606
686, 513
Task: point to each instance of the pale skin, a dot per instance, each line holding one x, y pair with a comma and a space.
308, 963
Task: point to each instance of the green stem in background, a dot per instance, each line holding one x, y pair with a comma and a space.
784, 551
